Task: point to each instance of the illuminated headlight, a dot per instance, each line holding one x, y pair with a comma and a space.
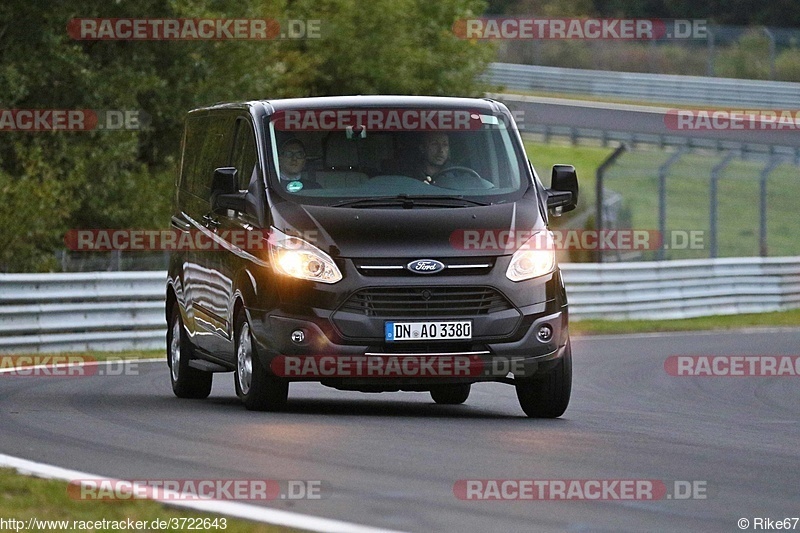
536, 257
297, 258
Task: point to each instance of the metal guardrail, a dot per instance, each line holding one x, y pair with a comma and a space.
82, 311
638, 124
683, 288
695, 90
546, 133
125, 310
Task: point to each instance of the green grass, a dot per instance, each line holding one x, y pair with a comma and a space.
115, 356
635, 177
688, 202
23, 497
585, 159
721, 322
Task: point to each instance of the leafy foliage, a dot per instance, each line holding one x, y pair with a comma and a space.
52, 181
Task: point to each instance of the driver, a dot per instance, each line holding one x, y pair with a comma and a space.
292, 165
292, 160
435, 149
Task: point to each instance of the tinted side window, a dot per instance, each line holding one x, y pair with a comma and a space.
196, 127
216, 148
208, 143
244, 153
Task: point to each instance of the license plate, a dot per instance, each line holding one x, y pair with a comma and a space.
428, 331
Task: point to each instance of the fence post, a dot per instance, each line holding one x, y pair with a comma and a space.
598, 217
762, 225
715, 172
771, 37
662, 197
116, 260
710, 51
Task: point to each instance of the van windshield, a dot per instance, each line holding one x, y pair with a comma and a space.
361, 157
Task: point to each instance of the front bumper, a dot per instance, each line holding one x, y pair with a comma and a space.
526, 354
505, 341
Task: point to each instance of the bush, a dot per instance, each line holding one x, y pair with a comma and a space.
53, 181
748, 58
787, 64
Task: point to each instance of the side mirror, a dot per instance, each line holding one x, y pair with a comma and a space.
562, 196
224, 181
224, 192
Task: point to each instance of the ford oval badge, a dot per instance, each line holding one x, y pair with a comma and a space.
425, 266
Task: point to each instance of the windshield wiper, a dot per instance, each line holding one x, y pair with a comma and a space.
371, 202
408, 201
446, 198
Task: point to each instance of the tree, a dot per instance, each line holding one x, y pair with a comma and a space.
53, 181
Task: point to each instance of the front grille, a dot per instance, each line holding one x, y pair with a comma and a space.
396, 267
397, 302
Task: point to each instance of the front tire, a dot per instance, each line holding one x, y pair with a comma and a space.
547, 395
187, 382
451, 394
258, 390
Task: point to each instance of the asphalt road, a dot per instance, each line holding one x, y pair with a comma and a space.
391, 460
636, 119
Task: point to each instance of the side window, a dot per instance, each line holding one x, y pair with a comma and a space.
244, 155
196, 128
214, 154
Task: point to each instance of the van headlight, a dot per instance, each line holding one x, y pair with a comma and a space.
297, 258
536, 257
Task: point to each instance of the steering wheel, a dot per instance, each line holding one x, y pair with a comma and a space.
456, 181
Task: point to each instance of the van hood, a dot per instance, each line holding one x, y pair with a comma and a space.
418, 232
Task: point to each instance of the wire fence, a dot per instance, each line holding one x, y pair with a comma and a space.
703, 204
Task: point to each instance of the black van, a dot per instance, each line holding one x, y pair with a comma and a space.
370, 243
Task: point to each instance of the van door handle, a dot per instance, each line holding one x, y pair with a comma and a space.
211, 221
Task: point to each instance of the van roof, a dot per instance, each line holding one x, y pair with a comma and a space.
327, 102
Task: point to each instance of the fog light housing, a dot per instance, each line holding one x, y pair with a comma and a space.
545, 333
